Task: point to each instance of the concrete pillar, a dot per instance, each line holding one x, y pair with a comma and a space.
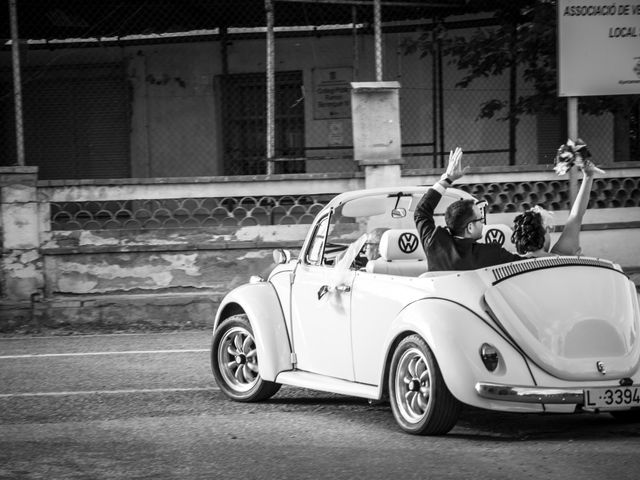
377, 145
22, 264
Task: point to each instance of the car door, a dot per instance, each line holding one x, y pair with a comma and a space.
321, 299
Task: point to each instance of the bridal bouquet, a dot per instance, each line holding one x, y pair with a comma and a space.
570, 154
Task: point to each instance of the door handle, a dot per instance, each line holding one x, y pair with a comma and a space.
324, 289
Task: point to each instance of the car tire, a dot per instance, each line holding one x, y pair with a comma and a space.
234, 361
627, 416
421, 402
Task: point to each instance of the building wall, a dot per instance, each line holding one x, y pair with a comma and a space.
129, 274
175, 108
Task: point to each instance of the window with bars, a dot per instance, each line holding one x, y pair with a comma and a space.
244, 127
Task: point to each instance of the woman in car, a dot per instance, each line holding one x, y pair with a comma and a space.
531, 229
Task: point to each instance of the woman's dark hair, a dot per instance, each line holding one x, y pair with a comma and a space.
458, 215
528, 232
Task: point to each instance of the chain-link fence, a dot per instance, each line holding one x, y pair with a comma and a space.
179, 89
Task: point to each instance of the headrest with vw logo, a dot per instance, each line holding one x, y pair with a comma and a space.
498, 233
401, 245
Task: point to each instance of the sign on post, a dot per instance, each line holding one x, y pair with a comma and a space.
599, 47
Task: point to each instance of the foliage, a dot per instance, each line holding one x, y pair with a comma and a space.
524, 32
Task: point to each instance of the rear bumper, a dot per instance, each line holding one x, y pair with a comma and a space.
514, 393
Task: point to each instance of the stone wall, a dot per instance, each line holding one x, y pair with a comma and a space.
120, 279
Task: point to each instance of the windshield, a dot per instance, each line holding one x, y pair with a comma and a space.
357, 225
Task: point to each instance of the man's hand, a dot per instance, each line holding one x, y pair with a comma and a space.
454, 169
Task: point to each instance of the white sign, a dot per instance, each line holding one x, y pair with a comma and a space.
599, 47
336, 134
332, 93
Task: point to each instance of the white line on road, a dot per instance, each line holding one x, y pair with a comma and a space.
82, 354
93, 335
101, 392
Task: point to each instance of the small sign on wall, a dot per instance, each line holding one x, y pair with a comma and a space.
336, 133
332, 93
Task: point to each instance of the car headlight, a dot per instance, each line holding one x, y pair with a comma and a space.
490, 356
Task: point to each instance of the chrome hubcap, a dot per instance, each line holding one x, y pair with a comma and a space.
413, 385
238, 359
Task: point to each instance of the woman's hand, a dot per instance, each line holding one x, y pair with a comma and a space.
589, 169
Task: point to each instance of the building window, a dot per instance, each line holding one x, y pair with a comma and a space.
244, 127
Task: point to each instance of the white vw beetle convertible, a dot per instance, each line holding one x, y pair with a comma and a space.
555, 334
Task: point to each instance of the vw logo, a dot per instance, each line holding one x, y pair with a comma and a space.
494, 236
408, 242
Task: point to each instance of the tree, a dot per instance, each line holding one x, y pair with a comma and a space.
522, 40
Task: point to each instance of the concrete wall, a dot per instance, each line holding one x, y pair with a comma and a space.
121, 279
22, 263
175, 111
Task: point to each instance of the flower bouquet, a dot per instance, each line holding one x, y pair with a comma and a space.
573, 153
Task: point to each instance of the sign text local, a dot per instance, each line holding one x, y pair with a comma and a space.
332, 93
599, 47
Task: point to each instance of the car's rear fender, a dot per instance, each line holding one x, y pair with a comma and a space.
455, 334
260, 303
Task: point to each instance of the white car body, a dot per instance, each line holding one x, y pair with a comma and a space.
566, 330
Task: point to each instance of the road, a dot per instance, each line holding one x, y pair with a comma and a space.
144, 406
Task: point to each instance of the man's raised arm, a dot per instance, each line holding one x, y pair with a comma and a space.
423, 216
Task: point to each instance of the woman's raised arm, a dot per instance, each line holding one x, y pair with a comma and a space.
569, 241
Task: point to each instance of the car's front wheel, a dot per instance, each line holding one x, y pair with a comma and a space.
234, 361
420, 400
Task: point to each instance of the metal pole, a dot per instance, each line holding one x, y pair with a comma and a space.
434, 102
356, 53
224, 50
572, 127
440, 102
377, 33
17, 83
271, 117
513, 94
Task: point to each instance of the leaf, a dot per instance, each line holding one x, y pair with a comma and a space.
490, 108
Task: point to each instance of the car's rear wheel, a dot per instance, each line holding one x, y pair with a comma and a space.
234, 361
420, 400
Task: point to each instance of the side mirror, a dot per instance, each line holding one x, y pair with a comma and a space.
281, 256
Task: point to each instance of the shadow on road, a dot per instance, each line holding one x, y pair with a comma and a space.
474, 423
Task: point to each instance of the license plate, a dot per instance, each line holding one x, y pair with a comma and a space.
611, 398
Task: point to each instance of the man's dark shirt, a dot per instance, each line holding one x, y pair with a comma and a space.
446, 252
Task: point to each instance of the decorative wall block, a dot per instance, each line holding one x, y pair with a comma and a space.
554, 195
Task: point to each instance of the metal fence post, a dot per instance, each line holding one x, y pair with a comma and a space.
572, 127
271, 117
17, 82
377, 28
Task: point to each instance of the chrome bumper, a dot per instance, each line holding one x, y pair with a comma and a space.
513, 393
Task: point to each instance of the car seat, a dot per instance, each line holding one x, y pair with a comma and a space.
401, 253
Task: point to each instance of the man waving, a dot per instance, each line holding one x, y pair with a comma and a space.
456, 247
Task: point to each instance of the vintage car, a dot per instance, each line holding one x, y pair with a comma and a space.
552, 334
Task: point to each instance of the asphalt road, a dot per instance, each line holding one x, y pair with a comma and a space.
146, 407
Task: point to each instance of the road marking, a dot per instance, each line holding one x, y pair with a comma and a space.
82, 354
93, 335
102, 392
